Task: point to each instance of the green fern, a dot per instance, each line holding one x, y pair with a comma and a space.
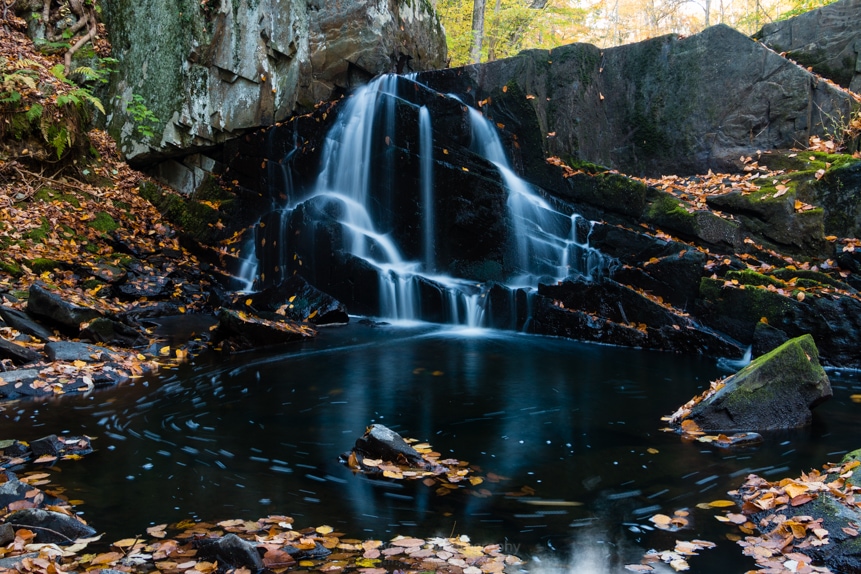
34, 113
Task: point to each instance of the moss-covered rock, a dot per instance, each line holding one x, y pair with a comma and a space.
197, 219
775, 391
104, 223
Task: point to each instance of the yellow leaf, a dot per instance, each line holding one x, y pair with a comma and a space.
248, 302
798, 204
164, 351
721, 503
475, 480
125, 542
652, 451
325, 529
793, 489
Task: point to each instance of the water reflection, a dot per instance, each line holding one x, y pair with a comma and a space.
571, 428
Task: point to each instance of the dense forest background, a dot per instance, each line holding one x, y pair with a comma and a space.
486, 30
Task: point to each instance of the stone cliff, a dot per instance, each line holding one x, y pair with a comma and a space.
211, 70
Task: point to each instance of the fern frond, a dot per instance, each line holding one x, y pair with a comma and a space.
87, 72
34, 113
97, 103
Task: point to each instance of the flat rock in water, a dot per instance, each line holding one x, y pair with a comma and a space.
50, 527
775, 391
19, 376
381, 442
45, 303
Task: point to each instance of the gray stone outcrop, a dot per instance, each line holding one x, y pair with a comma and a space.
665, 105
210, 70
828, 40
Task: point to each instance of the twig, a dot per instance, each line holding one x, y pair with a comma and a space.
31, 527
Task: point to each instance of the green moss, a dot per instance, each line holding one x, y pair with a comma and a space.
42, 264
746, 305
806, 277
48, 195
586, 166
667, 211
10, 267
104, 223
749, 277
195, 219
40, 233
807, 161
92, 283
91, 248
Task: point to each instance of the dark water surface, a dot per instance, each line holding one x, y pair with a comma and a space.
261, 434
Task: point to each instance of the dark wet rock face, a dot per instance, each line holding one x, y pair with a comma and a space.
776, 391
296, 299
645, 108
827, 39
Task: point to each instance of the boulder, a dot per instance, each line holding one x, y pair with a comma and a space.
50, 305
608, 312
664, 105
775, 391
110, 332
17, 353
49, 526
22, 322
230, 551
233, 66
827, 39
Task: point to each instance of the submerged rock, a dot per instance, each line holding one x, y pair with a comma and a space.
776, 391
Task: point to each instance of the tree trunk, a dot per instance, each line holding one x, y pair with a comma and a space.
708, 9
494, 36
477, 30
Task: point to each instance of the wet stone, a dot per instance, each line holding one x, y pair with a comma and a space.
71, 351
50, 527
149, 286
24, 323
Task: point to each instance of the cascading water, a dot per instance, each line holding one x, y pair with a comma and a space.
356, 182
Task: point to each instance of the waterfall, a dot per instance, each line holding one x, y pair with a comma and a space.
426, 157
358, 185
547, 247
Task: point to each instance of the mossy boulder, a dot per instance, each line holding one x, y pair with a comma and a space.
775, 391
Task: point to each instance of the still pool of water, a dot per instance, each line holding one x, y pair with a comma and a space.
260, 434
